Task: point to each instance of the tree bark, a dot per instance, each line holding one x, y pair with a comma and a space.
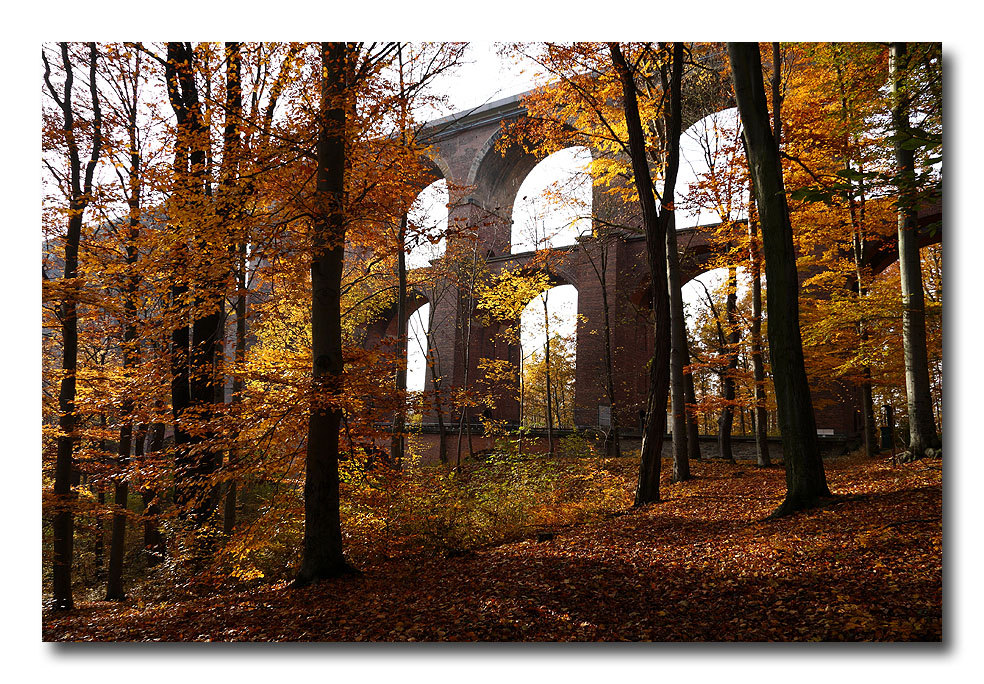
153, 540
546, 365
729, 344
80, 195
398, 440
196, 333
758, 366
656, 222
693, 429
805, 478
922, 422
322, 551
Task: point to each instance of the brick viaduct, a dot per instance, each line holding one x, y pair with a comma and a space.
483, 182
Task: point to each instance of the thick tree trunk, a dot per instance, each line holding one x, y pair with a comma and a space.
322, 551
805, 478
922, 422
194, 338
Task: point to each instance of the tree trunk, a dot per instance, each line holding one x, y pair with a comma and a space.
546, 361
693, 429
230, 207
153, 542
114, 587
613, 444
194, 338
730, 349
656, 224
678, 358
922, 422
397, 441
63, 523
805, 478
322, 551
758, 366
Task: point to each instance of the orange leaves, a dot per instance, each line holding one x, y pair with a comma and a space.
700, 566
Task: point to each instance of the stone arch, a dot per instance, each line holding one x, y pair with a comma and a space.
385, 325
435, 164
495, 178
535, 222
720, 130
425, 228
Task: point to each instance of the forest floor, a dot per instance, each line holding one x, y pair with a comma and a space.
702, 565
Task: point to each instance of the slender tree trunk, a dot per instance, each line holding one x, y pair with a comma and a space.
63, 523
758, 366
729, 345
678, 357
656, 223
546, 361
397, 441
322, 551
114, 588
614, 446
693, 429
99, 546
153, 540
238, 387
805, 478
922, 422
433, 363
230, 211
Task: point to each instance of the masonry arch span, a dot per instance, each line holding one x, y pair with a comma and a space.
427, 225
554, 202
711, 186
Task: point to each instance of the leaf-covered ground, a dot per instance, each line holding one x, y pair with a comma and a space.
700, 566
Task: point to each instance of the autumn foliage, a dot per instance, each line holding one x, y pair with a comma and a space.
227, 275
701, 566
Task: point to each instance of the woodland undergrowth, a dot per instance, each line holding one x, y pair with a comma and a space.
521, 549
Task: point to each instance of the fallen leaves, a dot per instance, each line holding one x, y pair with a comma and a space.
699, 566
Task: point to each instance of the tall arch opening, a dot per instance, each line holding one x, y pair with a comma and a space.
427, 225
553, 204
418, 328
548, 343
710, 186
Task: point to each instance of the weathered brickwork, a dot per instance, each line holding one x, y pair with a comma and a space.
483, 182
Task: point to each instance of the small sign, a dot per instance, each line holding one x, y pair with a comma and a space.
825, 432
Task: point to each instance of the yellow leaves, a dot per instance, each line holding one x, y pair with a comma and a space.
509, 292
